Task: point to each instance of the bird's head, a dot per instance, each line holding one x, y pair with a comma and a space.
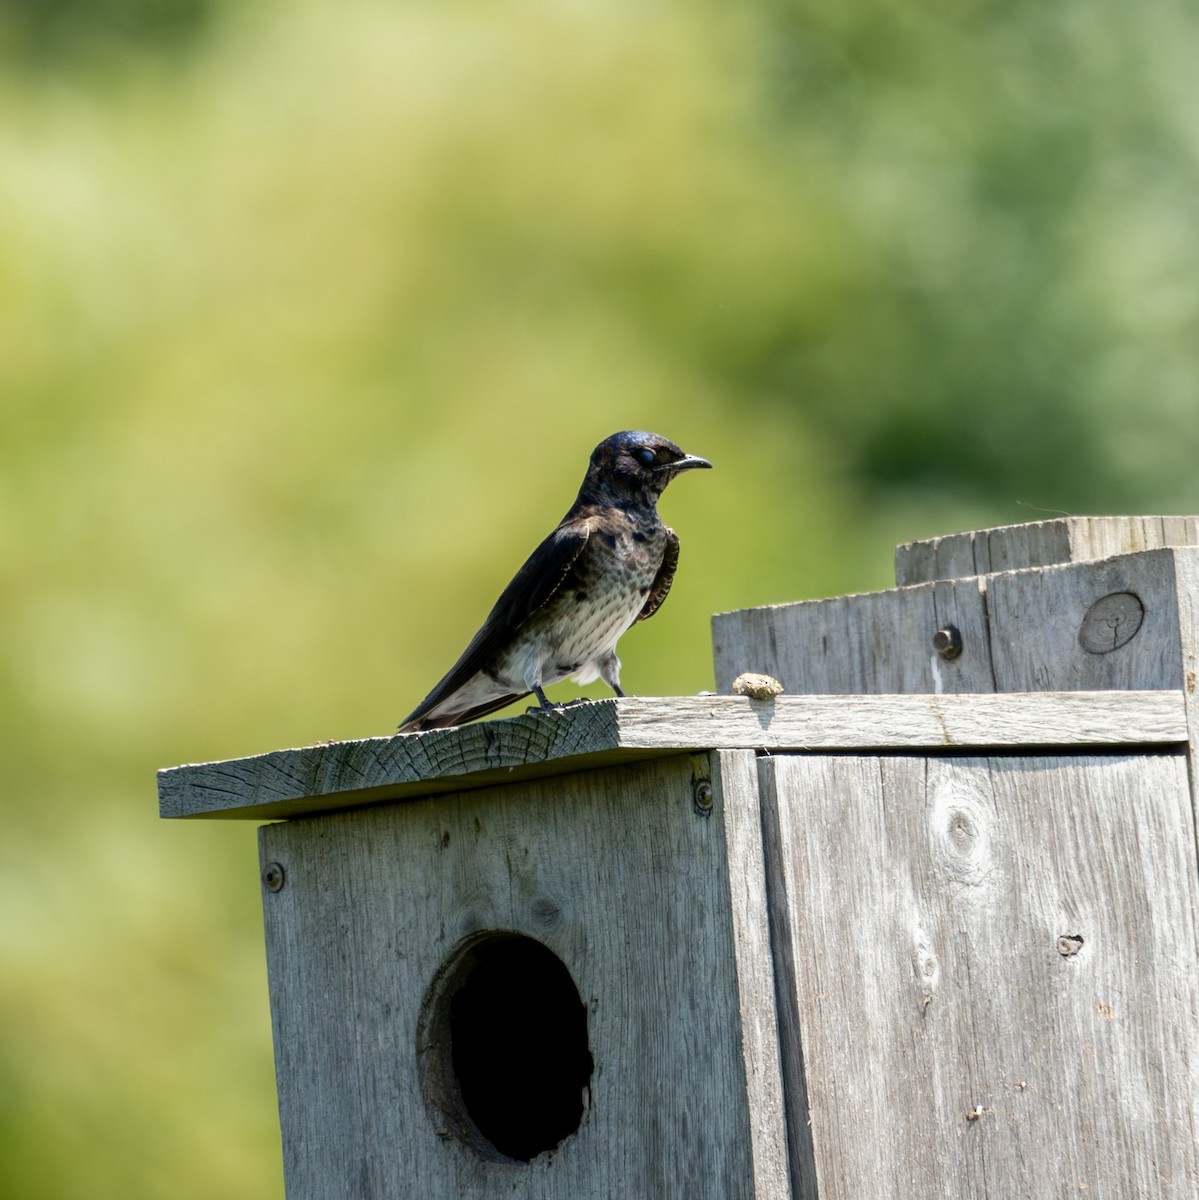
636, 466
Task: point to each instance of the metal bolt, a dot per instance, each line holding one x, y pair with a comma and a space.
702, 794
273, 877
948, 642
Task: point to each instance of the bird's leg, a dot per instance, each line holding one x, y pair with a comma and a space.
549, 706
609, 669
542, 699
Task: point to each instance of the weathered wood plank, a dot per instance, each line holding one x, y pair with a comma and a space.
346, 774
979, 551
621, 877
1029, 630
880, 642
1186, 583
1038, 544
991, 989
1043, 638
736, 796
801, 1157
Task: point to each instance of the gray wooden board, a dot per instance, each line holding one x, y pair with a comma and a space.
949, 1047
347, 774
737, 800
796, 1107
655, 910
1020, 631
1037, 618
1186, 581
1038, 544
876, 642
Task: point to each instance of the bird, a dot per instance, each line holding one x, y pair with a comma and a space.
608, 564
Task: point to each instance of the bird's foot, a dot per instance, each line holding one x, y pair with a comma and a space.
544, 703
550, 706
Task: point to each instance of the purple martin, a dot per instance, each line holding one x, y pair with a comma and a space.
608, 565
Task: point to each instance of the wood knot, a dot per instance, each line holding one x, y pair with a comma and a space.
925, 965
1111, 622
960, 837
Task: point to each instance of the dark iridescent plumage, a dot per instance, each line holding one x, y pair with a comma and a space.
607, 565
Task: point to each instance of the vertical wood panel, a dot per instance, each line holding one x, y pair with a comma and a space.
619, 875
879, 642
800, 1152
982, 551
1036, 617
1038, 544
1186, 583
953, 1044
1020, 631
736, 781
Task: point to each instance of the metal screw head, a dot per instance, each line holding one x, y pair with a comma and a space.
701, 793
273, 877
948, 642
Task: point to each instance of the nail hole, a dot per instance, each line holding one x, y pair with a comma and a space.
1069, 944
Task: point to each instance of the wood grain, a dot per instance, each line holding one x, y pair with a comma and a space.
878, 642
1020, 631
801, 1155
1186, 584
1036, 618
654, 908
735, 780
347, 774
991, 987
1038, 544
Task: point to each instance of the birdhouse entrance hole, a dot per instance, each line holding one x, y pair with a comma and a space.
503, 1047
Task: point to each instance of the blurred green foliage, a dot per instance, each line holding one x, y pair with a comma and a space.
311, 314
99, 35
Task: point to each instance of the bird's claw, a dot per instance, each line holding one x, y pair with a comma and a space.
553, 706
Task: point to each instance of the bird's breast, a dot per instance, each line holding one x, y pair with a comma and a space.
622, 556
601, 597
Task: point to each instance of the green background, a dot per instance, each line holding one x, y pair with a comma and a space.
310, 314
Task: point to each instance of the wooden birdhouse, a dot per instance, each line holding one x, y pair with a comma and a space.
926, 924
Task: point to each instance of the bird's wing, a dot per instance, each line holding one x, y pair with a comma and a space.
663, 579
531, 588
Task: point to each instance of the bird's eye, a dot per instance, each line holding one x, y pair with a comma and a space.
646, 457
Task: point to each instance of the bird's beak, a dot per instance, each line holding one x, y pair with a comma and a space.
687, 463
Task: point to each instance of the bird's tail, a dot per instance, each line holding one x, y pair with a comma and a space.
441, 717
